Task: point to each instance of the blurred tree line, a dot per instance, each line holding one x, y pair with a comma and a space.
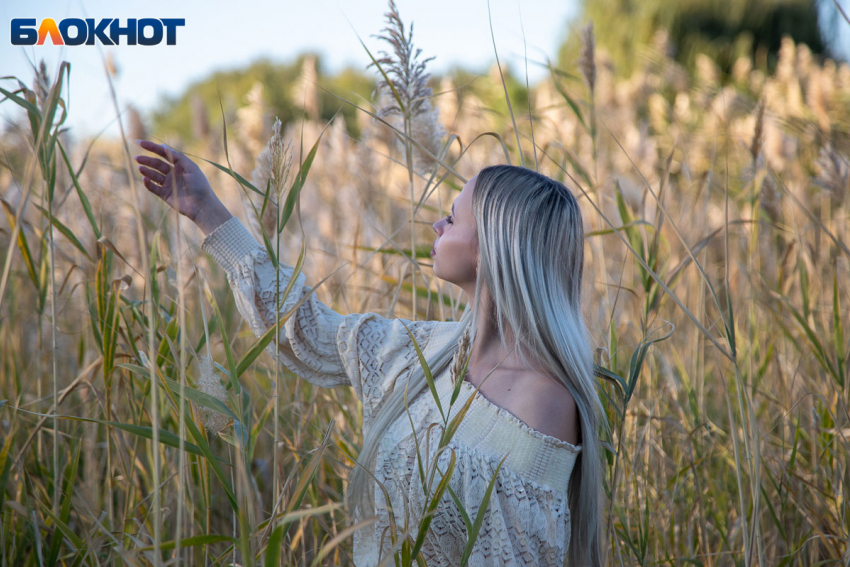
722, 29
224, 91
283, 86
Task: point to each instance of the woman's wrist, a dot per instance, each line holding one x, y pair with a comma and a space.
211, 217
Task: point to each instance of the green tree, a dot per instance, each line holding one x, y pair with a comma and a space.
721, 29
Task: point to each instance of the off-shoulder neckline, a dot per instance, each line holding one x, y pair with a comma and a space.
485, 402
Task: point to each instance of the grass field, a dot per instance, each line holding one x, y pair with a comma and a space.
717, 294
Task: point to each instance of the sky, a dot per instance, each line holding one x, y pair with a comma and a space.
224, 35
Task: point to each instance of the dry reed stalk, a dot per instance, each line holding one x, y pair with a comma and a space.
755, 147
833, 174
273, 169
151, 315
587, 65
404, 76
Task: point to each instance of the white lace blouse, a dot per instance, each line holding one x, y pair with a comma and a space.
528, 518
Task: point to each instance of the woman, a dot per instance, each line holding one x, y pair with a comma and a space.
514, 243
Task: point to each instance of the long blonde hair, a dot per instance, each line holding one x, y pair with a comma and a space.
531, 262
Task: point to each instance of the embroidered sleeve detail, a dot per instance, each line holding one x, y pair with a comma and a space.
317, 343
380, 354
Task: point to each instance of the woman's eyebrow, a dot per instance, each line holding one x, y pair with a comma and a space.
453, 209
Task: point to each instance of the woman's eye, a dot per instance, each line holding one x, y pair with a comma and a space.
449, 219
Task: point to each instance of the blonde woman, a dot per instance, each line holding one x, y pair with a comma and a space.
514, 243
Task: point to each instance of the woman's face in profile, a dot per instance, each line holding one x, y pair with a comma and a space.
455, 251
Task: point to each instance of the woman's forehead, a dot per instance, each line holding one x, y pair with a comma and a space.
466, 192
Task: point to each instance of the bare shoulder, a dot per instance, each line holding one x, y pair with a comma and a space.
549, 408
537, 400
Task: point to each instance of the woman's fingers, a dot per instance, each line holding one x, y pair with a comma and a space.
155, 148
155, 163
152, 174
171, 155
153, 187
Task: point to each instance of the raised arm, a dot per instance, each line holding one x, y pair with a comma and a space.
328, 349
310, 338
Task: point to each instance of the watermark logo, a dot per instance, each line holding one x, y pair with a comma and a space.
108, 31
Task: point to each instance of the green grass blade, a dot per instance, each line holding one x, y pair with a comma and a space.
65, 510
241, 180
191, 542
231, 362
66, 232
479, 518
5, 468
300, 179
193, 394
267, 337
505, 87
63, 528
211, 459
386, 77
306, 477
84, 200
273, 547
21, 242
838, 331
569, 100
23, 103
165, 437
432, 505
428, 377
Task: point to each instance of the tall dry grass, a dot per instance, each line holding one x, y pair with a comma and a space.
717, 288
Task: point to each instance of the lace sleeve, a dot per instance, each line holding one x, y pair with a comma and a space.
317, 343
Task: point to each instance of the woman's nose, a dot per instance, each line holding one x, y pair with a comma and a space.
438, 226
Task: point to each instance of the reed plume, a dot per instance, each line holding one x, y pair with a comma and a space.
305, 93
41, 83
209, 383
587, 56
405, 99
272, 171
460, 357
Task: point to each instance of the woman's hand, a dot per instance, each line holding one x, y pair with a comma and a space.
193, 198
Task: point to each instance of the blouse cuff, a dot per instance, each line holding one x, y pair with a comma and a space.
230, 244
